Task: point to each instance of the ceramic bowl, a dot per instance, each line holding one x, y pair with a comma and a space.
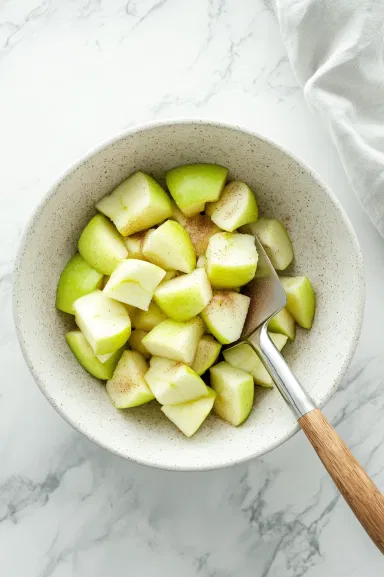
325, 247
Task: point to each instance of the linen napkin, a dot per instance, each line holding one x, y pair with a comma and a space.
336, 49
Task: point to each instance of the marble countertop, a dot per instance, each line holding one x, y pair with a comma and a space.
72, 73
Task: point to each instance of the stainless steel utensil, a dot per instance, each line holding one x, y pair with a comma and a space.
268, 298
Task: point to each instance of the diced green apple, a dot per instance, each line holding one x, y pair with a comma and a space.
148, 320
135, 341
170, 247
134, 282
200, 229
276, 242
231, 259
87, 358
242, 356
188, 417
208, 349
192, 185
135, 243
77, 279
101, 245
201, 261
173, 382
284, 324
136, 204
185, 296
104, 322
175, 341
104, 358
278, 340
236, 206
235, 391
301, 301
225, 315
128, 388
169, 275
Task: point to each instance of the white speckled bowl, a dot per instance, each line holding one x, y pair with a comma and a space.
325, 248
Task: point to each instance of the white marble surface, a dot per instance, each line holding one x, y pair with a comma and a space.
73, 72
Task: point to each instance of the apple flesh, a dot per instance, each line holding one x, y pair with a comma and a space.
101, 245
104, 322
276, 242
135, 341
136, 204
77, 279
134, 283
284, 324
200, 229
135, 243
188, 417
235, 391
87, 358
208, 349
201, 262
192, 185
127, 388
225, 315
231, 259
242, 356
173, 382
185, 296
236, 206
278, 340
301, 301
175, 341
148, 320
170, 247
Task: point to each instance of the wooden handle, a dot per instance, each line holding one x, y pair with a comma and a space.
357, 488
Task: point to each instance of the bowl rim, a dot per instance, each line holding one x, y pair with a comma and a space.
150, 125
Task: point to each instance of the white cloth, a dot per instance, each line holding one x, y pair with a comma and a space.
336, 49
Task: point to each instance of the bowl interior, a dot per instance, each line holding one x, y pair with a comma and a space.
325, 249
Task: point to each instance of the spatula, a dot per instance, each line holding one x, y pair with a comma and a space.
268, 298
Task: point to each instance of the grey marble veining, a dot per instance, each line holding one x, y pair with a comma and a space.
73, 72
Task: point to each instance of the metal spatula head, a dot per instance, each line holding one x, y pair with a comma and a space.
265, 290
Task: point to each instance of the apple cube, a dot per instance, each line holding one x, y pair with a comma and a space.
185, 296
201, 261
200, 229
101, 245
225, 315
236, 206
188, 417
231, 259
77, 279
192, 185
173, 382
175, 341
135, 341
276, 242
301, 301
128, 388
136, 204
169, 275
170, 247
242, 356
134, 282
283, 323
278, 340
147, 320
135, 243
87, 358
235, 391
104, 322
208, 349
